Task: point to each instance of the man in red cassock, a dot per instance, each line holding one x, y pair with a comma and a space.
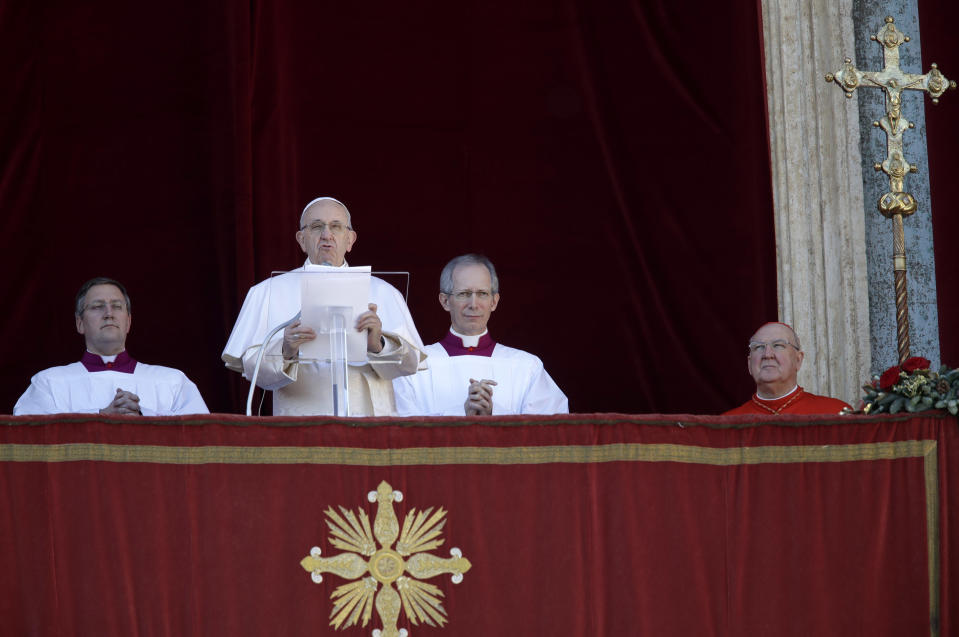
774, 358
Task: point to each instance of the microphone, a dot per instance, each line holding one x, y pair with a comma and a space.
259, 359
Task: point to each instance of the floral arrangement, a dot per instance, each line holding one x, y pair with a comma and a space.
914, 387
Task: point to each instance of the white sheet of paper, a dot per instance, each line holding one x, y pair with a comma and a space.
323, 287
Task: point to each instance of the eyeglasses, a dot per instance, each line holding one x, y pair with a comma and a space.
317, 227
99, 307
757, 347
465, 295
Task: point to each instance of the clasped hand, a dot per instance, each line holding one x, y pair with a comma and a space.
125, 403
479, 398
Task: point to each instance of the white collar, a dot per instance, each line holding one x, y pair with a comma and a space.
308, 262
468, 341
106, 359
777, 397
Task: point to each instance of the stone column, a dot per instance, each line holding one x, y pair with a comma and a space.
868, 17
818, 193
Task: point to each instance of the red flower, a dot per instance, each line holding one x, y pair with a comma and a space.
889, 378
914, 363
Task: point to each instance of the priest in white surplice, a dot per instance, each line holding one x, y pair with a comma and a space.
468, 373
303, 387
107, 380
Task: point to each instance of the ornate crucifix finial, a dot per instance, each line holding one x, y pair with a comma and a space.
897, 203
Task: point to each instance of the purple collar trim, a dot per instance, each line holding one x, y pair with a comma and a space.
453, 345
123, 363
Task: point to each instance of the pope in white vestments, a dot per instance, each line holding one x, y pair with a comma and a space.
303, 386
468, 373
107, 380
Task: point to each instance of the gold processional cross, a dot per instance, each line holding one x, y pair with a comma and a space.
896, 203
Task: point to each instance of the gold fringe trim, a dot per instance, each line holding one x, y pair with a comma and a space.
352, 456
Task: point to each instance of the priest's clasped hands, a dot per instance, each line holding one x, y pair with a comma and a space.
479, 399
295, 334
125, 403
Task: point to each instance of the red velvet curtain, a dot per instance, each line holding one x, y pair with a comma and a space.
581, 526
938, 20
610, 157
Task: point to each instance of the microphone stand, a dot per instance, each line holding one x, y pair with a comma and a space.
259, 359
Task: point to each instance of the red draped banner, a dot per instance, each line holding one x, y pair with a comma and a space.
581, 525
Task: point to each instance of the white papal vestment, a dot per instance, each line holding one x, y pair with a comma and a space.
303, 388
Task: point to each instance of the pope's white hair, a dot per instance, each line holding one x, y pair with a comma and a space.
349, 220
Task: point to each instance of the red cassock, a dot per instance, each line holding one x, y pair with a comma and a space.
797, 401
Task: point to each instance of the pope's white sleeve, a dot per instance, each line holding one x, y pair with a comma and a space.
399, 358
274, 372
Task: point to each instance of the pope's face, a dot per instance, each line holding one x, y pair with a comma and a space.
105, 320
471, 301
775, 365
326, 237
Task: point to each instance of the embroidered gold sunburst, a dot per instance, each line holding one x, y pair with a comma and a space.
403, 566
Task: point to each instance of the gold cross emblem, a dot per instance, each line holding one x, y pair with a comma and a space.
385, 566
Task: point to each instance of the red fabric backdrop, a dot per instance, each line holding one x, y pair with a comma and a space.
594, 150
938, 19
611, 525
